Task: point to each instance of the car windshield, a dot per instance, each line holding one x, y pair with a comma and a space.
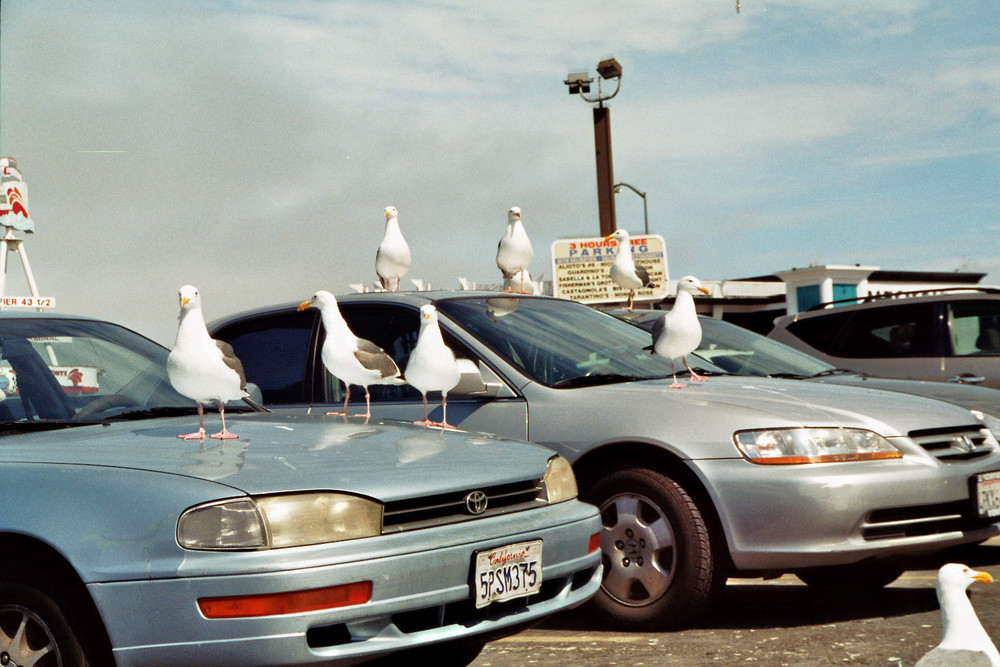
56, 372
560, 343
739, 350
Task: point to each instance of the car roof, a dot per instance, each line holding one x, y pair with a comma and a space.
414, 298
894, 299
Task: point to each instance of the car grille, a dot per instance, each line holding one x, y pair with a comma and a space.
445, 508
951, 445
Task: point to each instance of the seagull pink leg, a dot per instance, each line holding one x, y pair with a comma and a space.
426, 421
676, 384
223, 434
200, 433
694, 376
368, 406
444, 413
347, 397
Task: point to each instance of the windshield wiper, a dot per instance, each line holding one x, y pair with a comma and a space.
150, 413
7, 428
837, 371
596, 379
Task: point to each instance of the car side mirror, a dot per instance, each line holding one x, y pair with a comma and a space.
479, 381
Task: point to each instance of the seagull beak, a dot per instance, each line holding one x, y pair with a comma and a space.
305, 304
609, 237
704, 290
184, 301
983, 577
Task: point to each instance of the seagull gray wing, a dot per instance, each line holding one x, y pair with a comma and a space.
376, 359
231, 360
643, 275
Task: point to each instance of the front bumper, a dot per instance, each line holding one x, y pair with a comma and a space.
792, 517
420, 595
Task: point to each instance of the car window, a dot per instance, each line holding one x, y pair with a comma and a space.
51, 369
820, 331
556, 341
274, 351
894, 331
392, 329
975, 327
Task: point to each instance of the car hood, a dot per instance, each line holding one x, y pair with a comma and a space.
380, 459
985, 399
741, 402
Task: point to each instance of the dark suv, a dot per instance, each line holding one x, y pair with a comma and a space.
944, 335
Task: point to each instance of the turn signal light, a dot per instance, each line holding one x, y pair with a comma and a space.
278, 604
595, 543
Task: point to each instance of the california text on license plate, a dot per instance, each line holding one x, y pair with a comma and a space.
988, 494
508, 572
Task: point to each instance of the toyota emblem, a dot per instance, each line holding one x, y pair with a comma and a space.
475, 502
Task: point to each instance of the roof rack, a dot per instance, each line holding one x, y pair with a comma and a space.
897, 295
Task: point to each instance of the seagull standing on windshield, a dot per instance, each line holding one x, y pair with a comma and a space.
678, 332
432, 365
514, 252
350, 359
963, 640
392, 260
202, 368
624, 271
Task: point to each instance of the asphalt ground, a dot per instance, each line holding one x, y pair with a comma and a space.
777, 622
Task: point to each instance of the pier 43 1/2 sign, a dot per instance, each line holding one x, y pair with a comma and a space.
580, 269
27, 302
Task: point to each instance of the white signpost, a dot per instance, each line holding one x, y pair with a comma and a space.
580, 269
14, 216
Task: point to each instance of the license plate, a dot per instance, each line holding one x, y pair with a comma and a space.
988, 494
512, 571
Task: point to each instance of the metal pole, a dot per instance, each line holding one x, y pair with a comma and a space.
605, 173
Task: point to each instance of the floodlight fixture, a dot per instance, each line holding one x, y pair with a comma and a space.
609, 69
578, 82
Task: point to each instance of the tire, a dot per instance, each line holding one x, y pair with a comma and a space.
34, 630
856, 579
659, 567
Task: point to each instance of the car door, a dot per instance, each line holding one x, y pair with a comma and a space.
481, 402
974, 340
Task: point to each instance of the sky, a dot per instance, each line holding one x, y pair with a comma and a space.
249, 147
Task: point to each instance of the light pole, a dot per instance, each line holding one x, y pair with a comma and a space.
579, 84
645, 211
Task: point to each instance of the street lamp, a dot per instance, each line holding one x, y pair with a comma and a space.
579, 84
645, 211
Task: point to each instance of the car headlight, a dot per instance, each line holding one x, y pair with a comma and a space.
559, 481
813, 445
272, 522
989, 421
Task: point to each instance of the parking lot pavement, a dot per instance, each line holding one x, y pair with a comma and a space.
778, 622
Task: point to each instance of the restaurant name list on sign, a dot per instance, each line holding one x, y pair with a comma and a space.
580, 269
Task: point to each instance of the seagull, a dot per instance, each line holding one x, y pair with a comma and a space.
963, 639
432, 365
523, 279
678, 332
202, 368
351, 359
624, 271
392, 260
514, 252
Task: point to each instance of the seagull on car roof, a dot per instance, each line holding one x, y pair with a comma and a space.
678, 332
963, 639
202, 368
624, 271
350, 359
432, 365
514, 251
392, 260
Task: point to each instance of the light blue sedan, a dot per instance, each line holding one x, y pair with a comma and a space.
310, 540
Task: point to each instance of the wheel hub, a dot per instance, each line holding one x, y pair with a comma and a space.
25, 639
638, 545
